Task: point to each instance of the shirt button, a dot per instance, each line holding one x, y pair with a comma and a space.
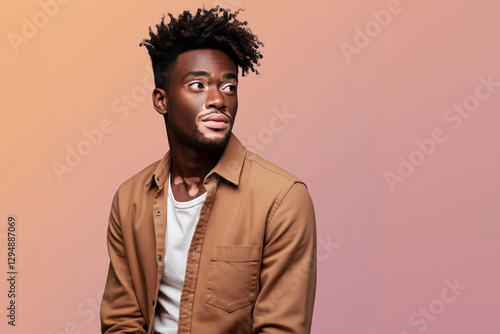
159, 257
158, 212
153, 302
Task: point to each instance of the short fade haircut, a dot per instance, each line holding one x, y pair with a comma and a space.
216, 28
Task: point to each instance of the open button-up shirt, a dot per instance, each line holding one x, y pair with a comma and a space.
251, 265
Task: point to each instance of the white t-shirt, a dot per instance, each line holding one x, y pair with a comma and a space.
181, 222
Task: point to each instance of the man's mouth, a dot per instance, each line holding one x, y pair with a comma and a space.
216, 121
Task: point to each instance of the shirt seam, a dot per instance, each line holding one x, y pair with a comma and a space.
275, 172
280, 199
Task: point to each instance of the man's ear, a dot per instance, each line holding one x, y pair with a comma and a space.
160, 100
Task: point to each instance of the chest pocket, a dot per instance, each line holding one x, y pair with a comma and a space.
232, 277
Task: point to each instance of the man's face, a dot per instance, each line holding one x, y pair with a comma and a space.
202, 100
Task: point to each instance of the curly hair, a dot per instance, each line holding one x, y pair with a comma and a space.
215, 28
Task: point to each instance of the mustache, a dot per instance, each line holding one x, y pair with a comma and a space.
211, 112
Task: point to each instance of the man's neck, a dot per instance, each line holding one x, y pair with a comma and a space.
193, 162
189, 167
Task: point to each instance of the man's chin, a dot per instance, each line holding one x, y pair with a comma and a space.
212, 142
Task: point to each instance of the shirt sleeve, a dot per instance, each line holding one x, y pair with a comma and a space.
120, 312
288, 270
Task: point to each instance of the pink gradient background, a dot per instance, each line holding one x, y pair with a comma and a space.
383, 254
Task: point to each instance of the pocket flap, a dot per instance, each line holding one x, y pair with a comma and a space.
235, 253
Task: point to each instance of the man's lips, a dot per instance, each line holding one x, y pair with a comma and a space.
216, 121
216, 118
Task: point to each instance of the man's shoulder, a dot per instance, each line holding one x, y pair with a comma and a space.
140, 180
263, 168
273, 184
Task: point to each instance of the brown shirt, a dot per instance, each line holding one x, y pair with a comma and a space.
251, 265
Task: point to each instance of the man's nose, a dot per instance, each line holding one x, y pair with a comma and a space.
215, 99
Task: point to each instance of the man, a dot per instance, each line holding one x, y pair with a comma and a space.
212, 238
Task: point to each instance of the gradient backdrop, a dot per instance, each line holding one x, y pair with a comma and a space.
388, 110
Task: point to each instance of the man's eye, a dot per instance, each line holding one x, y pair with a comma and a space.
196, 85
229, 88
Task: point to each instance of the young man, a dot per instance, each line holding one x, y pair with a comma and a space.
211, 239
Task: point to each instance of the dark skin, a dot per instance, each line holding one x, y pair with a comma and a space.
199, 108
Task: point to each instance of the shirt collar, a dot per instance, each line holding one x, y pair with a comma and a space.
161, 172
229, 166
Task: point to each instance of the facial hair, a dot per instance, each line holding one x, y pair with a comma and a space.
216, 143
